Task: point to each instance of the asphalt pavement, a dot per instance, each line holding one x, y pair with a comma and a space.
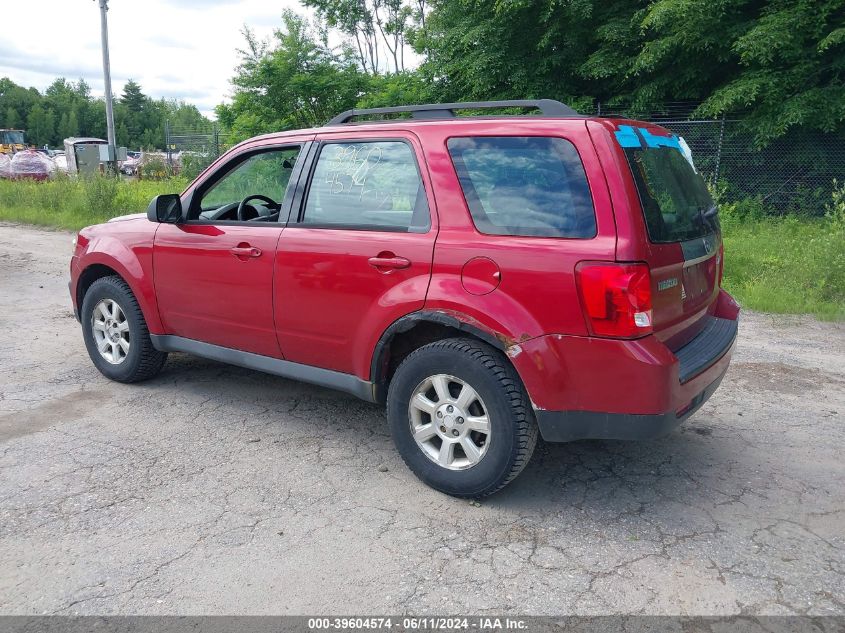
217, 490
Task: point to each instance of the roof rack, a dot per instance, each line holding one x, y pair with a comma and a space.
549, 107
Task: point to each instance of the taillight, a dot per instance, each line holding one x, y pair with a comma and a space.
616, 298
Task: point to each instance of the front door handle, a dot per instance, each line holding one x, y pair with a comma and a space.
245, 251
386, 263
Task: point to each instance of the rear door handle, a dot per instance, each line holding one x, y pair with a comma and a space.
245, 251
389, 263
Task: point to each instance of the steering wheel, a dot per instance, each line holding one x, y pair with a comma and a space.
242, 205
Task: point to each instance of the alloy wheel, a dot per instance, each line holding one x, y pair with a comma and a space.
111, 331
449, 422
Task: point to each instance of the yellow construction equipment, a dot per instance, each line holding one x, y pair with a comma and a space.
12, 141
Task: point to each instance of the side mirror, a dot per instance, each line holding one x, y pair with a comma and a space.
166, 208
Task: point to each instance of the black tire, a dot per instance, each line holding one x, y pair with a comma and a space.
513, 427
142, 361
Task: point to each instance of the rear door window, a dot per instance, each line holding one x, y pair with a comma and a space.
675, 200
524, 185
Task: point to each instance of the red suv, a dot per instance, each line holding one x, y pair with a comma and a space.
488, 278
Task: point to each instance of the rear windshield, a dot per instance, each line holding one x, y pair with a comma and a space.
517, 185
675, 200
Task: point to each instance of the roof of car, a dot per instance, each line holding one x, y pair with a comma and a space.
439, 113
389, 124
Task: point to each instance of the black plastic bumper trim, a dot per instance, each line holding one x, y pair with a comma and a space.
568, 426
705, 349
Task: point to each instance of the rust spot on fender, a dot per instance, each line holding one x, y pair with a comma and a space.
506, 342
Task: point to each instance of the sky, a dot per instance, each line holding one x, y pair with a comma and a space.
182, 49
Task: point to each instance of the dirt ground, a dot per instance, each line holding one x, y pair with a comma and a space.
213, 489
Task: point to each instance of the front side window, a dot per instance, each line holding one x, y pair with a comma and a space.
260, 182
367, 185
517, 185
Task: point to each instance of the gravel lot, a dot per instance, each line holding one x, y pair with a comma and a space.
213, 489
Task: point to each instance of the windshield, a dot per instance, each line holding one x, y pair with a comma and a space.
12, 137
675, 200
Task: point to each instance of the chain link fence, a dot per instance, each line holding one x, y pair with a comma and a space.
189, 151
794, 174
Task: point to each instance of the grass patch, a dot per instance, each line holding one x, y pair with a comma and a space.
72, 203
787, 265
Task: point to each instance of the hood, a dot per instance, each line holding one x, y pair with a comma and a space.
131, 216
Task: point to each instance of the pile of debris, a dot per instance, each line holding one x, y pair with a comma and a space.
33, 165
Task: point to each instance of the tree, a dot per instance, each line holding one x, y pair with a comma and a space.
297, 82
68, 126
372, 24
403, 88
790, 69
16, 102
67, 109
353, 18
777, 63
11, 119
391, 18
133, 98
40, 126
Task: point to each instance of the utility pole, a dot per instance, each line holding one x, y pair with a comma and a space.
104, 30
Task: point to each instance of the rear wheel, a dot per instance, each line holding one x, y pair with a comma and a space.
116, 334
460, 417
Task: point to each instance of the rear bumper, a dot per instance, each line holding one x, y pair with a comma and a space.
582, 387
568, 426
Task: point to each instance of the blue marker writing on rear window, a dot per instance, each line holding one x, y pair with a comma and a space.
629, 136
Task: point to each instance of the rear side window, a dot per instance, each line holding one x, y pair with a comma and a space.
367, 185
675, 200
531, 185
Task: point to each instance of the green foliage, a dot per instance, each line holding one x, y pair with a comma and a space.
193, 163
790, 62
779, 63
735, 212
67, 109
71, 203
376, 30
100, 194
788, 265
395, 89
835, 209
155, 168
40, 125
298, 82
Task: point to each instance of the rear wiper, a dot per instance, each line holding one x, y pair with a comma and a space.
711, 211
705, 216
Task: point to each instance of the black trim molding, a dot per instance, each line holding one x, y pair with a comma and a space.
315, 375
568, 426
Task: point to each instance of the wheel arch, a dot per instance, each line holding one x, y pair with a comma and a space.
414, 330
99, 265
87, 277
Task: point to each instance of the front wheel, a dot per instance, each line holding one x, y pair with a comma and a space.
116, 333
460, 417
